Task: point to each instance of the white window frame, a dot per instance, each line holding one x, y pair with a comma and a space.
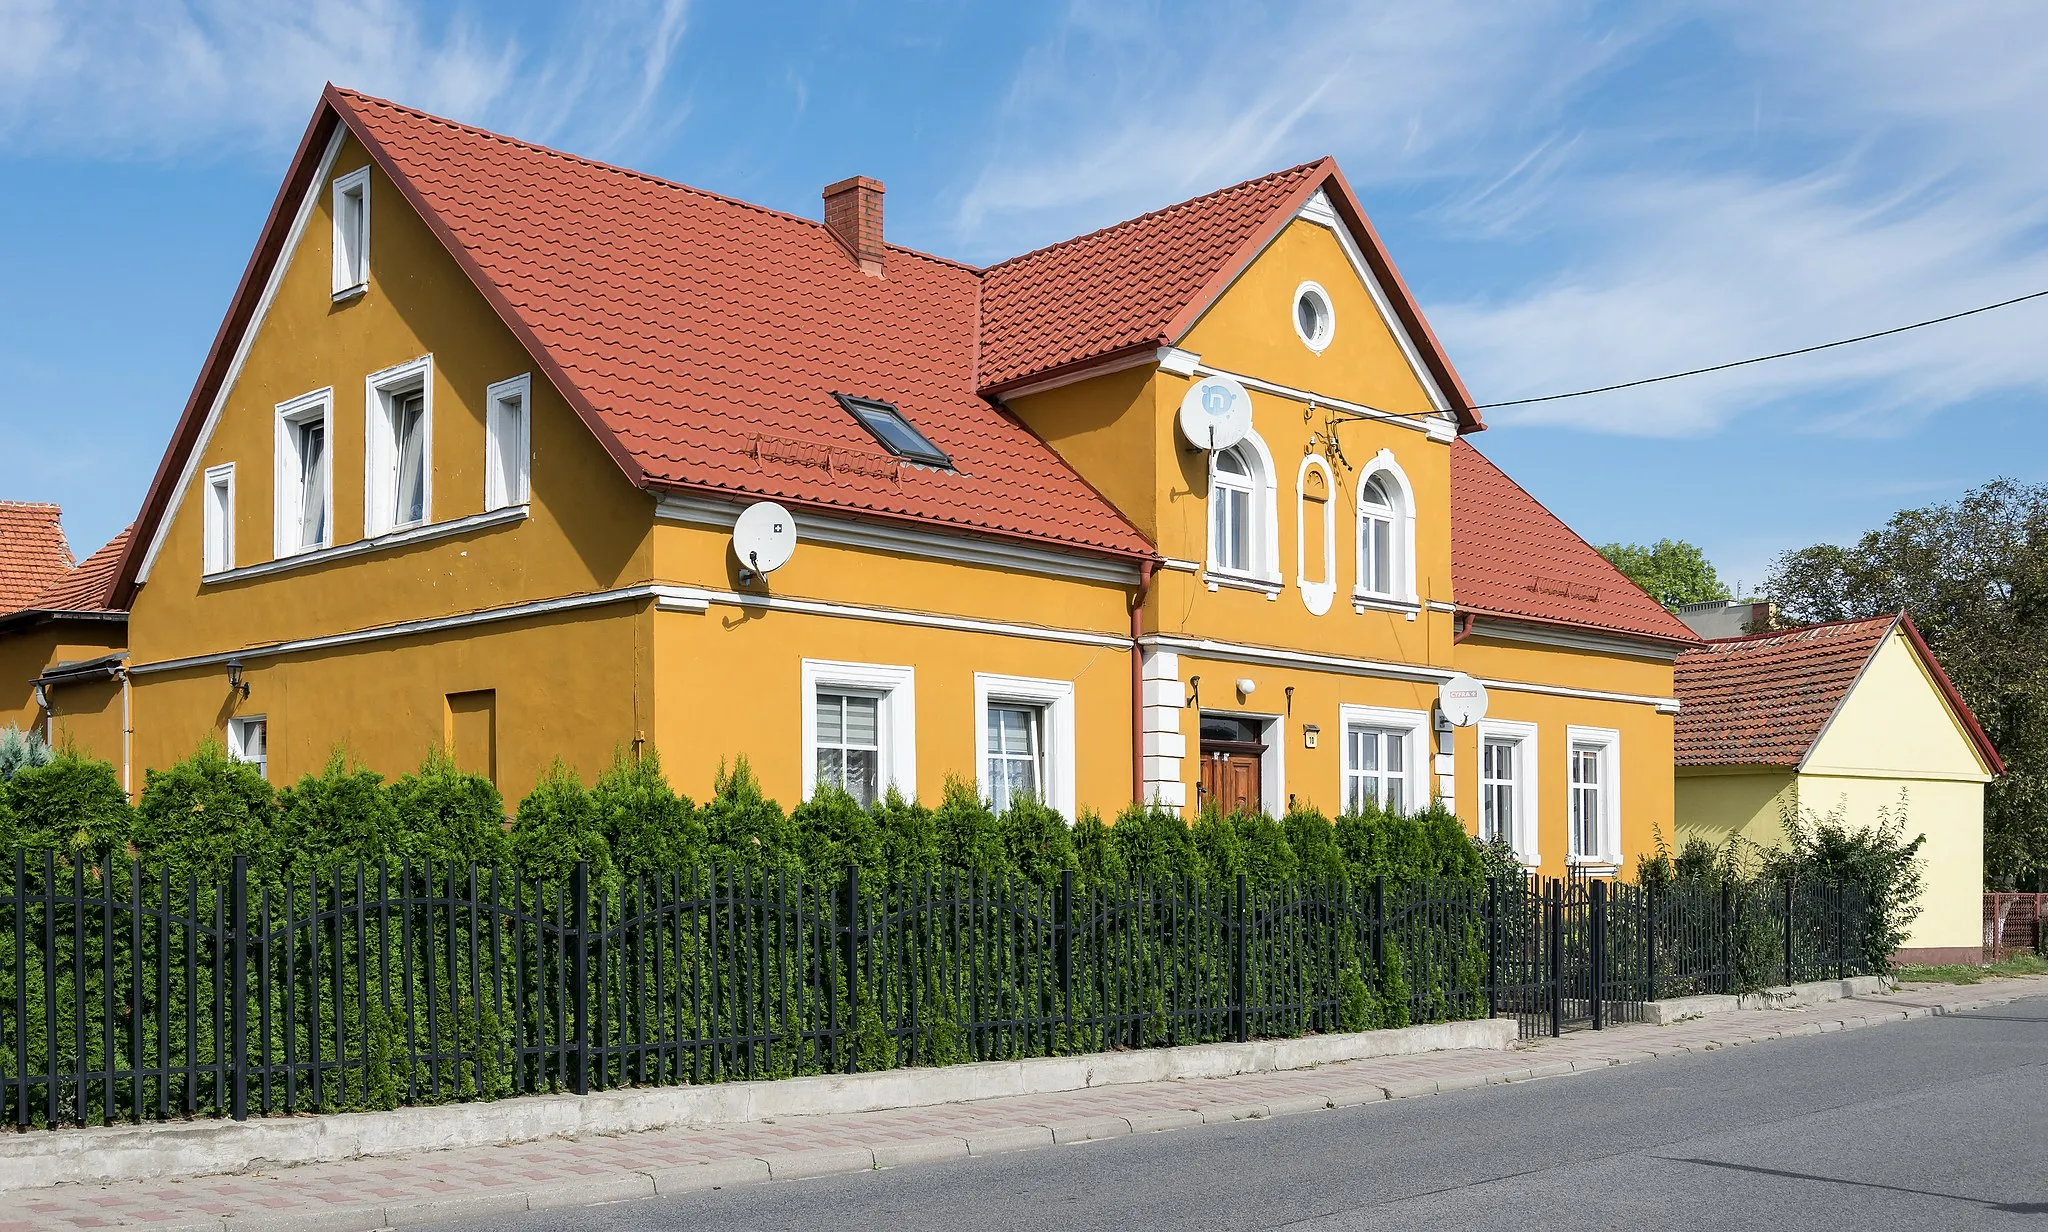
1401, 495
502, 491
895, 718
217, 550
287, 493
1608, 741
1527, 830
1263, 535
1417, 752
1320, 341
350, 281
238, 742
380, 445
1316, 596
1055, 700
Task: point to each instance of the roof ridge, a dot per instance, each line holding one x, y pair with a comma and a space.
1793, 632
1162, 210
630, 173
51, 506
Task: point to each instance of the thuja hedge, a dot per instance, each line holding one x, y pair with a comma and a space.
196, 816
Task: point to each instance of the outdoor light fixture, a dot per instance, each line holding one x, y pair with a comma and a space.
1309, 733
42, 695
1194, 693
1245, 685
235, 681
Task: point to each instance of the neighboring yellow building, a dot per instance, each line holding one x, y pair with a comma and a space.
465, 463
61, 642
1856, 715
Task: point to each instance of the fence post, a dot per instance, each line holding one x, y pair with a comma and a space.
850, 915
1063, 952
1554, 925
1239, 955
579, 975
1598, 958
1650, 941
237, 990
1727, 928
1835, 897
1492, 947
1379, 933
1788, 929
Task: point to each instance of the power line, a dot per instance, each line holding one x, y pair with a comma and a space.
1759, 359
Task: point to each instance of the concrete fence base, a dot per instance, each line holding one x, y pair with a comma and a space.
1791, 996
194, 1148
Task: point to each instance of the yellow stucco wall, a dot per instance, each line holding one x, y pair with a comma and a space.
1717, 805
1950, 813
88, 714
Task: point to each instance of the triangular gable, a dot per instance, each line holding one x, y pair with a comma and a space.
1139, 285
1880, 726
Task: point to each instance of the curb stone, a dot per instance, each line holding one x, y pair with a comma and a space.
920, 1151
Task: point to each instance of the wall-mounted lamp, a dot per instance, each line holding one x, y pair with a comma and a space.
1309, 734
1245, 685
42, 693
1290, 701
1194, 701
235, 681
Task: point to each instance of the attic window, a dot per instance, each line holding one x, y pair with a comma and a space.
894, 431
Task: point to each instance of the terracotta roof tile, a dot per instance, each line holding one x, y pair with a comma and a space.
1513, 558
89, 587
1764, 699
1122, 286
707, 336
33, 553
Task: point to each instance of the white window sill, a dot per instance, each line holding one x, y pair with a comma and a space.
1366, 600
1597, 867
1269, 587
349, 293
395, 539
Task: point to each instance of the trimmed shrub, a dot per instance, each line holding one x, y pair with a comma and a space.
969, 837
556, 828
835, 833
71, 804
1216, 844
342, 815
198, 815
745, 828
649, 828
1039, 844
1876, 857
1155, 843
1269, 859
910, 836
447, 816
1314, 840
1096, 855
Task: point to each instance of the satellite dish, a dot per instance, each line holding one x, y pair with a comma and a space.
1216, 413
1462, 700
763, 538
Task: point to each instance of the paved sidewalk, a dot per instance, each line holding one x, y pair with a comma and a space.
436, 1186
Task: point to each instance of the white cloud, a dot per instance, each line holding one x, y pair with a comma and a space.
156, 78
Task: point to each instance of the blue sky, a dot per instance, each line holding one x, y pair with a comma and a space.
1579, 192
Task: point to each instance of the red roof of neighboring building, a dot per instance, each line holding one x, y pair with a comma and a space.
1512, 558
33, 553
89, 587
1765, 699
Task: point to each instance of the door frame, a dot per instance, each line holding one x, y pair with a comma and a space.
1272, 762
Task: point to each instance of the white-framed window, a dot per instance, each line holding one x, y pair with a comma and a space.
1314, 321
305, 473
859, 728
1315, 535
508, 442
1386, 532
249, 742
1386, 759
1244, 541
1593, 768
1508, 763
352, 232
398, 450
218, 529
1024, 739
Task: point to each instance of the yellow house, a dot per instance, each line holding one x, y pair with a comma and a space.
61, 641
1855, 715
465, 464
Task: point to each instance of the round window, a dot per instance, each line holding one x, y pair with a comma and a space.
1313, 320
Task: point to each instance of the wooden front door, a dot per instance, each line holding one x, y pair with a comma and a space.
1231, 756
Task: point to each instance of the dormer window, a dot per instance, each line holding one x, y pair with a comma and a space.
894, 431
352, 233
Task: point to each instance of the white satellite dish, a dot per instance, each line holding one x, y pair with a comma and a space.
763, 538
1462, 700
1216, 413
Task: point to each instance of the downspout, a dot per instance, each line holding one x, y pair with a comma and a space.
1458, 635
127, 739
1145, 568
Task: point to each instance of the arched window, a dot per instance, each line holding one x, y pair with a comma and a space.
1233, 511
1386, 534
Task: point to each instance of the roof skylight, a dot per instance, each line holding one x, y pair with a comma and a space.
893, 430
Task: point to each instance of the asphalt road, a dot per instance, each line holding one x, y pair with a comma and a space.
1934, 1123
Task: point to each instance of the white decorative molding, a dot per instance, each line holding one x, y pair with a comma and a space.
1175, 362
1326, 215
1497, 629
896, 686
1417, 756
694, 598
877, 536
1403, 570
380, 445
1608, 740
1526, 835
1165, 748
396, 539
1315, 596
1183, 566
1418, 423
1318, 210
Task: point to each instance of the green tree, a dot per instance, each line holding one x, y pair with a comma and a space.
651, 830
557, 828
70, 803
1974, 576
1671, 571
448, 816
342, 815
203, 812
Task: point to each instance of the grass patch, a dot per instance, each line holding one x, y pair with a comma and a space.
1963, 973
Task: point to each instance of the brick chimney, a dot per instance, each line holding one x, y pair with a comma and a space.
853, 212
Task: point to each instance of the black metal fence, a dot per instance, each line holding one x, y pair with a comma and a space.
130, 994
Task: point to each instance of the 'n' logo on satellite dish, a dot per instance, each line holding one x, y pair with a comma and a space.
1216, 413
763, 538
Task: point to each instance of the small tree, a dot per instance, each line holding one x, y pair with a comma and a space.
1671, 571
1155, 843
448, 816
1314, 841
649, 828
1039, 843
910, 836
1096, 855
19, 750
1269, 859
342, 816
201, 813
557, 828
835, 833
969, 837
71, 804
745, 828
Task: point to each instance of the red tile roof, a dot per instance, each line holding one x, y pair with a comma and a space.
1512, 558
89, 587
33, 553
1765, 699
